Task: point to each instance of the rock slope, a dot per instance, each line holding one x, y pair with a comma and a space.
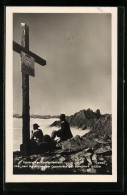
89, 154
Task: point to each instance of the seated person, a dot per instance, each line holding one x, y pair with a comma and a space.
36, 138
36, 134
64, 133
40, 143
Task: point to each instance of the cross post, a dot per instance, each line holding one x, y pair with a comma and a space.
25, 96
24, 47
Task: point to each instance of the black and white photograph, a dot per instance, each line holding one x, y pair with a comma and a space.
61, 94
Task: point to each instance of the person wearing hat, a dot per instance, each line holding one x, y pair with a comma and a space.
36, 134
65, 132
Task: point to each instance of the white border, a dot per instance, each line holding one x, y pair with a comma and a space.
9, 177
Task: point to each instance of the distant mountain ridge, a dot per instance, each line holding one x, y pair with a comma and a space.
37, 116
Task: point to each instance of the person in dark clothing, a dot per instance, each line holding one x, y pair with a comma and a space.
40, 143
36, 134
64, 133
36, 138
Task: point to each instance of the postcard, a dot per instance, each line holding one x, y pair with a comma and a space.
61, 94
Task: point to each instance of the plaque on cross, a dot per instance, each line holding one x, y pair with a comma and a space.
27, 68
27, 64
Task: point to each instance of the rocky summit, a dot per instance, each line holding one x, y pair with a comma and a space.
89, 154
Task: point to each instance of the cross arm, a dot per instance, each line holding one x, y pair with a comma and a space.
18, 48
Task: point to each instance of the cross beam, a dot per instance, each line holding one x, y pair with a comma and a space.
24, 47
18, 48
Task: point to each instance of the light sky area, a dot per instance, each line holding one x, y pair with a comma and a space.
77, 49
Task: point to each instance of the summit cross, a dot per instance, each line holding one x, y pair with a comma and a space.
27, 67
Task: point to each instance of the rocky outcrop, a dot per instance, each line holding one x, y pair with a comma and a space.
55, 123
87, 119
103, 125
88, 154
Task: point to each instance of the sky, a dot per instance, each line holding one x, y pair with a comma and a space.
77, 49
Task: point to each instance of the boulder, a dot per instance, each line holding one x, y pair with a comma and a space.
76, 156
79, 161
101, 158
108, 147
46, 158
87, 150
20, 163
102, 150
87, 154
94, 158
37, 159
73, 144
88, 158
91, 170
57, 155
62, 159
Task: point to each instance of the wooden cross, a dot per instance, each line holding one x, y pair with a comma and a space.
26, 57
